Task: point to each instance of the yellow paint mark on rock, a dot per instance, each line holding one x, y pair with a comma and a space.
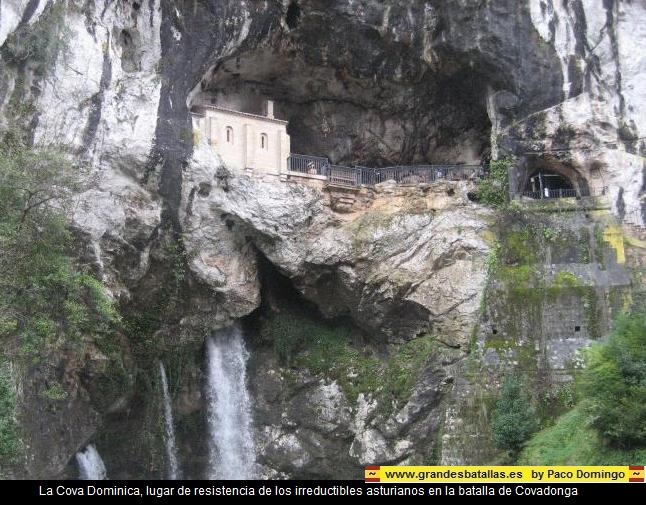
615, 237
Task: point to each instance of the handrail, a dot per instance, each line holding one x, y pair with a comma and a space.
550, 194
340, 175
311, 165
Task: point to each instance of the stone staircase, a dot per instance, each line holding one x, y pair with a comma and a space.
342, 200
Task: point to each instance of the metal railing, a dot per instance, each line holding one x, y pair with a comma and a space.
339, 175
421, 174
548, 194
311, 165
344, 176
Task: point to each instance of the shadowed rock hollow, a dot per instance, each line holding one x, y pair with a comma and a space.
379, 84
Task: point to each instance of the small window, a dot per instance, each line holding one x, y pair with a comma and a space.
577, 328
229, 135
264, 144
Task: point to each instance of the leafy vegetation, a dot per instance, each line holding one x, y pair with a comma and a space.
45, 301
513, 420
571, 441
614, 384
9, 433
302, 341
161, 304
492, 262
404, 367
565, 280
494, 190
608, 424
326, 350
54, 392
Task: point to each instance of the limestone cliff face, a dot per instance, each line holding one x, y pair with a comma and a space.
410, 263
596, 129
383, 83
559, 85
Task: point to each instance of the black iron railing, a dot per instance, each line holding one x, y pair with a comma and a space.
311, 165
344, 176
339, 175
420, 174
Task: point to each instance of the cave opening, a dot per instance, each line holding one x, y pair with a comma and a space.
293, 15
279, 297
125, 38
369, 115
546, 184
547, 179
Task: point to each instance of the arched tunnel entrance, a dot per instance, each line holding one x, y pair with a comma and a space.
547, 184
546, 180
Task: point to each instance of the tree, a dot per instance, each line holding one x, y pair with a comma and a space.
44, 299
513, 419
614, 384
31, 180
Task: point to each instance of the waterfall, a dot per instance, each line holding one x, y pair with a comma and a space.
171, 447
231, 450
90, 464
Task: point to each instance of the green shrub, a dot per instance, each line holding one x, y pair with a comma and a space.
494, 190
45, 300
614, 384
289, 332
9, 434
518, 246
571, 441
404, 367
565, 280
513, 419
54, 392
326, 350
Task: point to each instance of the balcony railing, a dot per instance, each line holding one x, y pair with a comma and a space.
339, 175
344, 176
310, 165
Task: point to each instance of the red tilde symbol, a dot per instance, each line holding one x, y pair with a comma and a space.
636, 474
372, 474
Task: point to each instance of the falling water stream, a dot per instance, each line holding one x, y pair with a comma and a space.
90, 464
171, 447
231, 448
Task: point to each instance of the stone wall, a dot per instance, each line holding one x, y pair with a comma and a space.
243, 141
556, 282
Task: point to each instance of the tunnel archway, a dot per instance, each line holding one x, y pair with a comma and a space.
548, 184
548, 179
